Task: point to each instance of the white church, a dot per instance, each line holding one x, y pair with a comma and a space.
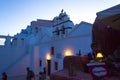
43, 45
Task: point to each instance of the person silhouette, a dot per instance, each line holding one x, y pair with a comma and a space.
94, 51
40, 76
4, 76
28, 74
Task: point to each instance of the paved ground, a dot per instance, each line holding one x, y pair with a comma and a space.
36, 78
21, 78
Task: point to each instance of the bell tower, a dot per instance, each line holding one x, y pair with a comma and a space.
62, 25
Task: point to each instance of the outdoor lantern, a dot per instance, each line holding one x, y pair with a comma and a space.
48, 57
99, 56
68, 52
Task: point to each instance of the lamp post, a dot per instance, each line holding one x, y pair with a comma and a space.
48, 67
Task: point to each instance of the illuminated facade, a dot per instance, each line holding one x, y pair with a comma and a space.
44, 44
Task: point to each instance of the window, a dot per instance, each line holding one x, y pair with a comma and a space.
56, 65
52, 50
36, 29
40, 63
63, 29
57, 31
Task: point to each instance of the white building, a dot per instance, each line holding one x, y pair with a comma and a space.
44, 44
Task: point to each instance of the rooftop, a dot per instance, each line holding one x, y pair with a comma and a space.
41, 22
109, 12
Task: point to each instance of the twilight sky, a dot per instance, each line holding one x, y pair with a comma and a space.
17, 14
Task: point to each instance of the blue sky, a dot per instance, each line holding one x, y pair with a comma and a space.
17, 14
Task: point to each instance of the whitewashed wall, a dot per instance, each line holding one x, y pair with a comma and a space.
14, 60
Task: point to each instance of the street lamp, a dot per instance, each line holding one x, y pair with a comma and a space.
48, 64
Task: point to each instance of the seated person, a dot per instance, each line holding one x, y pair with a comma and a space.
116, 54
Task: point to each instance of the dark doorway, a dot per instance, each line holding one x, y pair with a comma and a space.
56, 65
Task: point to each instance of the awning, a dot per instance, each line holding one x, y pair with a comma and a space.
112, 21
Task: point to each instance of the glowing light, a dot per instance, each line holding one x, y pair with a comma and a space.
48, 57
99, 55
68, 52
